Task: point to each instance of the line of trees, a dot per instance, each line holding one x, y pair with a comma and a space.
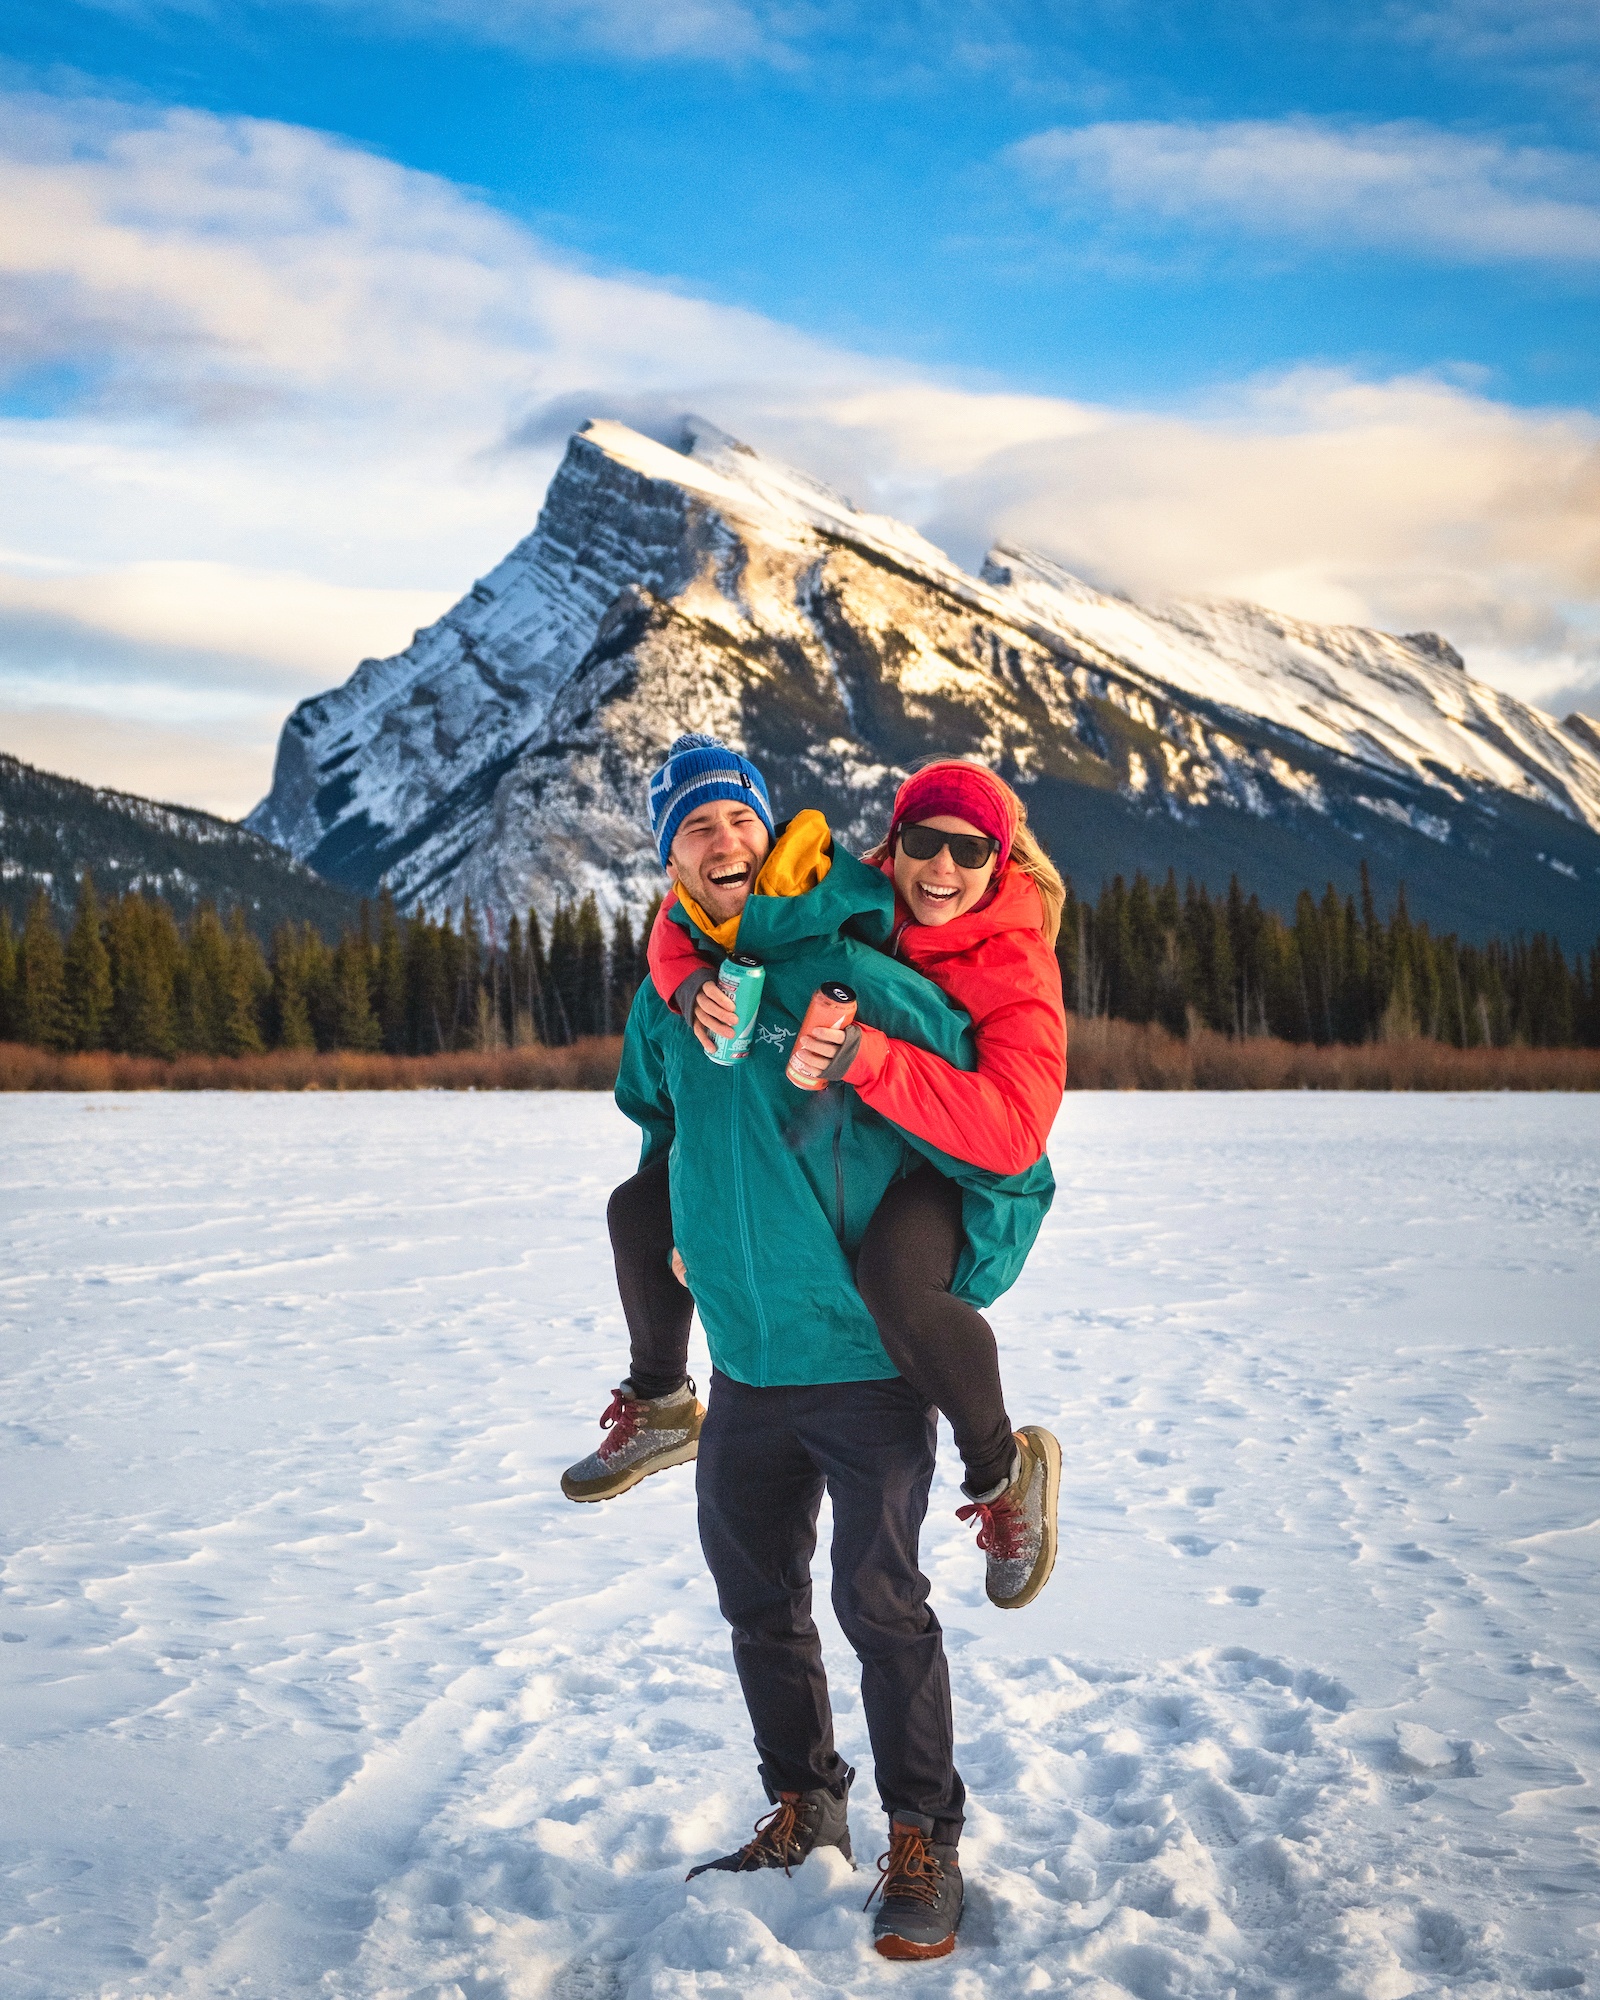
129, 978
1336, 972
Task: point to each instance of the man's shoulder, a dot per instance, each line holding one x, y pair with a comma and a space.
649, 1015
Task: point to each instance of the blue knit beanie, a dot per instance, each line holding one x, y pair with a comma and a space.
698, 769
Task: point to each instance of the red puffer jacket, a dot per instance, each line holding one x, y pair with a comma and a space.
995, 963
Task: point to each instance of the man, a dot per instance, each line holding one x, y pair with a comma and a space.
771, 1191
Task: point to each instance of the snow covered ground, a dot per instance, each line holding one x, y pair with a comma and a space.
312, 1684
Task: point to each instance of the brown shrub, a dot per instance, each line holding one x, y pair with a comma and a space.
1104, 1055
1125, 1055
586, 1065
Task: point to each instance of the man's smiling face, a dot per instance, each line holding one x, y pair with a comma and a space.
717, 853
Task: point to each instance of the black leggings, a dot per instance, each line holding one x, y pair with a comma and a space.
942, 1346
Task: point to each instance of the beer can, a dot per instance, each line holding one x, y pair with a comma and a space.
831, 1006
741, 979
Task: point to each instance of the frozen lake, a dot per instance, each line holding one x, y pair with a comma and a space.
313, 1684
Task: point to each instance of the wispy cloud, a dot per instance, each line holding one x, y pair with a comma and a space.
305, 395
1537, 34
1400, 186
643, 30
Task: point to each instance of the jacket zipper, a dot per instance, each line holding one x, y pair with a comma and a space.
838, 1166
736, 1151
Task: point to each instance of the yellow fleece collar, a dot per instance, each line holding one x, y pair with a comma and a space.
798, 862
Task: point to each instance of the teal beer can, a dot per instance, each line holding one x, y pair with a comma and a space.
741, 978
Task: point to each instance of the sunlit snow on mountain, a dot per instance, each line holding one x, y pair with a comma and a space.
504, 754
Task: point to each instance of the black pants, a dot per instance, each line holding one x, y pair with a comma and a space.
766, 1456
657, 1308
942, 1346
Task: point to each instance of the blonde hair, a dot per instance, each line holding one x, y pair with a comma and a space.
1026, 852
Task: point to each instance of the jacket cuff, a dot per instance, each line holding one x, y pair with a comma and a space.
848, 1050
861, 1057
688, 991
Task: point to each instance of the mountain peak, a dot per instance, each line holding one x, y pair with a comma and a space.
687, 581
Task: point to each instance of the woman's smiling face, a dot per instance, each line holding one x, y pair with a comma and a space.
937, 891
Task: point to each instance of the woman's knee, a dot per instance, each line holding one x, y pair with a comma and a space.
641, 1207
900, 1265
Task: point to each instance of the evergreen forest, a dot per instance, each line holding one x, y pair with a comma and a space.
129, 976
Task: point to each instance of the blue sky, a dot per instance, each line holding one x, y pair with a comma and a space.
993, 267
858, 179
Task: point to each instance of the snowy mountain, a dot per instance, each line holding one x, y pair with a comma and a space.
53, 828
700, 585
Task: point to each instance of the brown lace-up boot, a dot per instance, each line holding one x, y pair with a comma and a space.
799, 1822
919, 1881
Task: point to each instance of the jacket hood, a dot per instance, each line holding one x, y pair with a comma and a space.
808, 891
1013, 905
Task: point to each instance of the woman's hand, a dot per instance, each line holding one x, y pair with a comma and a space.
819, 1048
678, 1270
714, 1014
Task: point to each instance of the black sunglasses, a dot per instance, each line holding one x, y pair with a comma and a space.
967, 850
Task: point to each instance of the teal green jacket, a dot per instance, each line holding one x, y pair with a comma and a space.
773, 1187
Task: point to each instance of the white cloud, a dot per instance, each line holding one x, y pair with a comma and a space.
1524, 32
1400, 186
324, 392
644, 30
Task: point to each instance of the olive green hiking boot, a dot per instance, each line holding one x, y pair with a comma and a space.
644, 1437
1017, 1521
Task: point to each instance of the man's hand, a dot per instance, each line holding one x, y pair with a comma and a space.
819, 1048
678, 1270
714, 1014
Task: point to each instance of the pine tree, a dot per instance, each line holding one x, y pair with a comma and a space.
564, 977
88, 972
622, 974
389, 981
290, 1009
145, 948
355, 1026
426, 988
591, 948
201, 990
537, 976
10, 1029
246, 986
41, 980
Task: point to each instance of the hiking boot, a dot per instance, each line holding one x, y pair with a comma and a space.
919, 1880
1017, 1522
646, 1436
799, 1822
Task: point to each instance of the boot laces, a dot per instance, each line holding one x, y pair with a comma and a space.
1001, 1526
910, 1870
777, 1838
621, 1418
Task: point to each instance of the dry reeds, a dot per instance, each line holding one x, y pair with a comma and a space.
1125, 1055
1104, 1055
584, 1065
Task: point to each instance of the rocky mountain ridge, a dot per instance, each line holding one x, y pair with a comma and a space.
696, 584
53, 828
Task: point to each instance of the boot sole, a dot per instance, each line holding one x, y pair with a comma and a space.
903, 1948
1048, 1451
635, 1473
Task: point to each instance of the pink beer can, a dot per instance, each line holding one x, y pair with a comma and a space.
831, 1006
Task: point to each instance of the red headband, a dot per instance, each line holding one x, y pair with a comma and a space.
957, 791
